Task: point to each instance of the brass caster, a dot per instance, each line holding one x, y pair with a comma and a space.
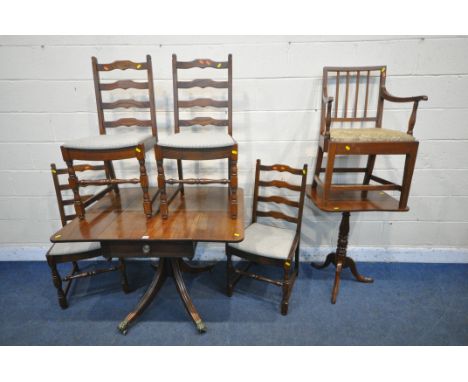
201, 327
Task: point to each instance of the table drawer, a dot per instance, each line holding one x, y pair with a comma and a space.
146, 248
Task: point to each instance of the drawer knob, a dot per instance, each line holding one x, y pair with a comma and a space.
146, 249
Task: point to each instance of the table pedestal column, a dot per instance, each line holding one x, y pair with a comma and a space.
340, 260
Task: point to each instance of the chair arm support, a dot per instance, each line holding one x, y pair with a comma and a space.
326, 107
389, 97
412, 120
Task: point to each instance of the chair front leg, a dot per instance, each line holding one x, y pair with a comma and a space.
161, 183
233, 182
286, 288
140, 154
57, 281
407, 177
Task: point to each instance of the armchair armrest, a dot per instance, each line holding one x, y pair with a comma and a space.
389, 97
384, 94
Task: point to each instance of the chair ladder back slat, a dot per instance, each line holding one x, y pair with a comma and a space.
201, 102
124, 103
277, 198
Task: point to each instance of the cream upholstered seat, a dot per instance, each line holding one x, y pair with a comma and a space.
194, 140
72, 248
114, 141
265, 240
369, 135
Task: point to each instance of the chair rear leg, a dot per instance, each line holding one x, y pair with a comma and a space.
233, 182
407, 177
57, 281
140, 154
110, 172
123, 275
368, 174
161, 183
318, 166
180, 172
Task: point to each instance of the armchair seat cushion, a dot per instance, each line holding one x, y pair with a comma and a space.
267, 241
71, 248
369, 135
113, 141
194, 140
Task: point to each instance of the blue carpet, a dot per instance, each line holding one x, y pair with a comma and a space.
408, 304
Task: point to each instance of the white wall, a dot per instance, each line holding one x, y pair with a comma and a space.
47, 97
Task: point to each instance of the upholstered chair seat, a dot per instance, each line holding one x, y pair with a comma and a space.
197, 140
369, 135
70, 248
114, 141
265, 240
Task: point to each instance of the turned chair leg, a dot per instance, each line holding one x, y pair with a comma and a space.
140, 154
57, 281
180, 172
233, 182
123, 275
161, 183
318, 166
286, 291
368, 174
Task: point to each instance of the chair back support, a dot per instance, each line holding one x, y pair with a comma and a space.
352, 88
277, 198
62, 200
124, 103
202, 102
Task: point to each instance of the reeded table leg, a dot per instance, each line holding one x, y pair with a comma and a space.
168, 267
340, 260
185, 296
147, 298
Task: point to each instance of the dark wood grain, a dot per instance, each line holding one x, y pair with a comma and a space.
201, 215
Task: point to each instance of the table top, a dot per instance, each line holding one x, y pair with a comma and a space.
353, 201
203, 214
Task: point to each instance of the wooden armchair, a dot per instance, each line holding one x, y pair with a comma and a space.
109, 147
188, 145
266, 244
373, 141
73, 252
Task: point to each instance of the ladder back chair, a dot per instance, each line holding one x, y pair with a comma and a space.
189, 145
350, 106
266, 244
109, 147
74, 251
